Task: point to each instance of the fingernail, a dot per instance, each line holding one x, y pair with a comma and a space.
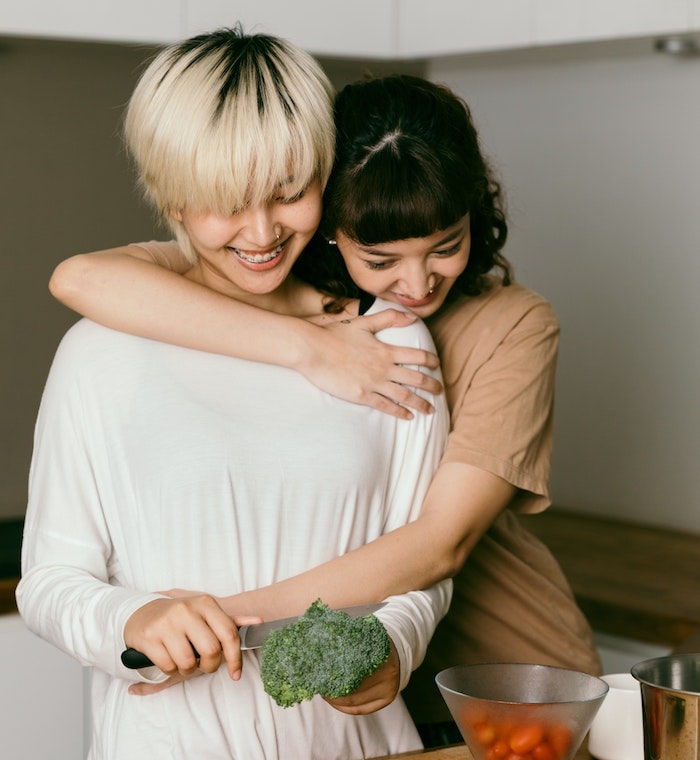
236, 675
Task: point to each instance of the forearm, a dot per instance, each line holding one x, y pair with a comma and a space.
391, 564
461, 504
139, 289
140, 297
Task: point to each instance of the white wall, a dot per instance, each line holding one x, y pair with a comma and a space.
65, 187
599, 151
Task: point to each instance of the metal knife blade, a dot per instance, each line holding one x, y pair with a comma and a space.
252, 636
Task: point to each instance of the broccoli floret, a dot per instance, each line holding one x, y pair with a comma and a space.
324, 652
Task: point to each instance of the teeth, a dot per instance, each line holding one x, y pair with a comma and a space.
260, 258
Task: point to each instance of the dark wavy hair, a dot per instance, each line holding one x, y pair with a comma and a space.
408, 164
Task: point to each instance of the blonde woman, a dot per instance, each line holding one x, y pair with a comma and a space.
158, 467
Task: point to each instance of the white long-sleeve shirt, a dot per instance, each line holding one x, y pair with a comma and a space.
160, 467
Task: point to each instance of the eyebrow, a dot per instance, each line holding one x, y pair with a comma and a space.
449, 237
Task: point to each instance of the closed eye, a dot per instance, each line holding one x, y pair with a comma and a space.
451, 251
287, 200
376, 265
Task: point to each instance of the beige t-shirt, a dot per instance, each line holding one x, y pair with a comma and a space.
511, 600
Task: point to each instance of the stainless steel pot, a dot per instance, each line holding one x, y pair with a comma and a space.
670, 689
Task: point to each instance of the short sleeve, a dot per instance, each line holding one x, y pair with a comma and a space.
499, 356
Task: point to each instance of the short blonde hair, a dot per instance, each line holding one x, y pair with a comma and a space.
222, 120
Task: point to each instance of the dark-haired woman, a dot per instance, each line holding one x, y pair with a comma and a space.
412, 215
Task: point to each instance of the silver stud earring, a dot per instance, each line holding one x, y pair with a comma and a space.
332, 242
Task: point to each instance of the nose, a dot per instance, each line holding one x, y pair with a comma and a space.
260, 228
415, 281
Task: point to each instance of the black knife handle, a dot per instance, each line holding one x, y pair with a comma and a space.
132, 658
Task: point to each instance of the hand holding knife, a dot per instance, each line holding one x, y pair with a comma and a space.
251, 636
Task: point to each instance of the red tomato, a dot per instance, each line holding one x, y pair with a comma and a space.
525, 738
544, 751
500, 748
485, 734
559, 738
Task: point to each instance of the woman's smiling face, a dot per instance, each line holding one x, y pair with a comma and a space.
250, 254
416, 273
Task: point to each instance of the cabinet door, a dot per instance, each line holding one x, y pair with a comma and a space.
41, 697
438, 27
558, 21
362, 28
103, 20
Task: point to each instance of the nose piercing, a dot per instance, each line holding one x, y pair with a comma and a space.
278, 236
431, 291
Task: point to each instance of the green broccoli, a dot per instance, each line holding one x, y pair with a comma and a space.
324, 652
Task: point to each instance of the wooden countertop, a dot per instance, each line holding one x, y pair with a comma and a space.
454, 752
7, 595
636, 581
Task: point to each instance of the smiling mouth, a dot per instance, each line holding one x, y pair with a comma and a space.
416, 302
258, 258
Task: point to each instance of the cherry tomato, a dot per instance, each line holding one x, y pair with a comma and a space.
525, 738
559, 737
500, 748
485, 734
544, 751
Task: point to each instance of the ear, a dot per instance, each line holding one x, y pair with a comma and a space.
175, 214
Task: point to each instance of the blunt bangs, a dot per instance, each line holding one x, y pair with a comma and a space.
398, 191
224, 121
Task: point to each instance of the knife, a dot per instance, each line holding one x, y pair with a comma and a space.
252, 636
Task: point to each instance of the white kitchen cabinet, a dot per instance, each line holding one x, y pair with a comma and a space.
438, 27
381, 29
150, 21
557, 22
43, 713
363, 28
